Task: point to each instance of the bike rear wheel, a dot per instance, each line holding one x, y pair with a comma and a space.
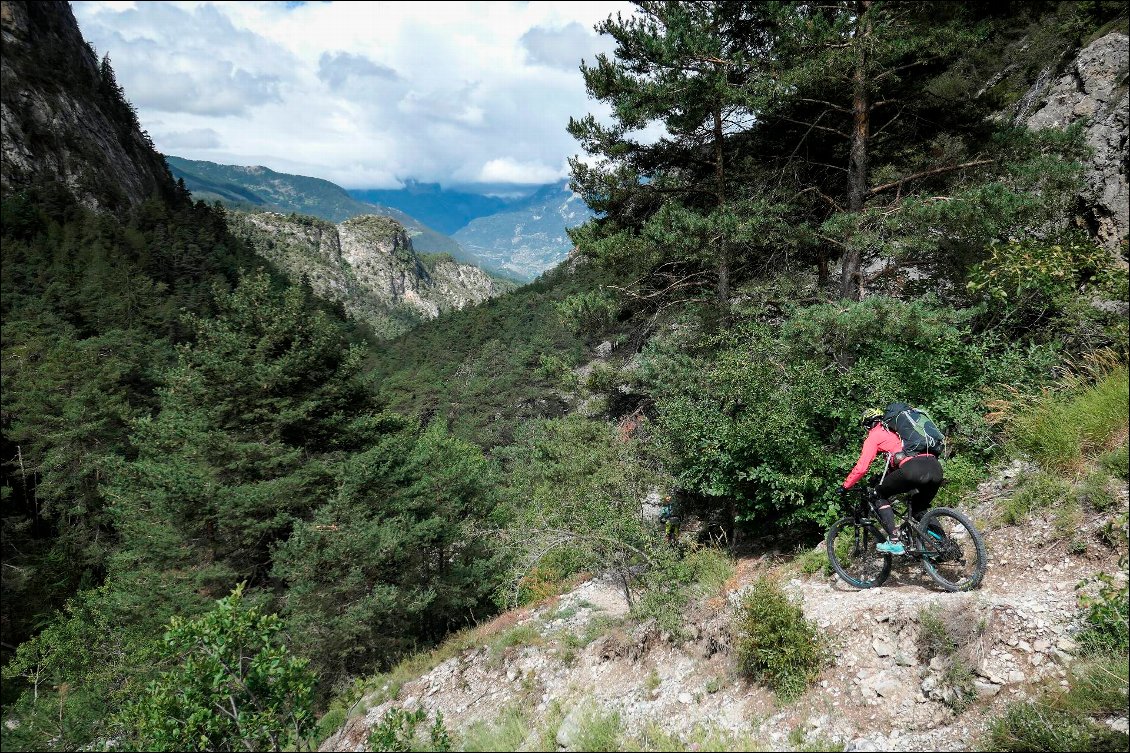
852, 553
953, 551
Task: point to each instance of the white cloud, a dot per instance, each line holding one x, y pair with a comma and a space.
364, 94
506, 170
565, 47
197, 138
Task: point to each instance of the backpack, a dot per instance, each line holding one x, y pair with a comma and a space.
917, 432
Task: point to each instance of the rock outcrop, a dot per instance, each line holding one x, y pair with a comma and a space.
1093, 89
64, 118
368, 264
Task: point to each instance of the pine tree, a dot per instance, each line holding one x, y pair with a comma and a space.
678, 200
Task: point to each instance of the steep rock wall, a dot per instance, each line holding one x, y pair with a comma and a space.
63, 119
368, 264
1093, 89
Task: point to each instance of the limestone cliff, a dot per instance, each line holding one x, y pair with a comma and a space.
64, 118
1093, 89
368, 264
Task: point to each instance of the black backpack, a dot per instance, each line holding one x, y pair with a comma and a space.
918, 433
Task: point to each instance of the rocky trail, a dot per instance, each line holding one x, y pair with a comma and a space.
576, 654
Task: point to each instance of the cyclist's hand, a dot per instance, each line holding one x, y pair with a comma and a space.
844, 492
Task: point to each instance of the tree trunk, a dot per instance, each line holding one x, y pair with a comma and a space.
720, 194
851, 272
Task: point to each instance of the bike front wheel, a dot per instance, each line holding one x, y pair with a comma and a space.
953, 551
852, 553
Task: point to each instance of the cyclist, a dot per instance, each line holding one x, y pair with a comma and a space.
903, 472
671, 519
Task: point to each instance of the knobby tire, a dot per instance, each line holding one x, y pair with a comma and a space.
958, 562
852, 553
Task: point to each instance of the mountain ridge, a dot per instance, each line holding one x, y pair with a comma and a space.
260, 187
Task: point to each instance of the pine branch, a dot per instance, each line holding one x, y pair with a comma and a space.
838, 132
936, 171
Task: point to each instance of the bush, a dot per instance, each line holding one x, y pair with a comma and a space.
397, 731
1034, 492
1094, 491
961, 477
668, 586
230, 658
776, 645
588, 312
505, 732
1105, 621
575, 485
599, 732
812, 561
1060, 721
948, 635
1117, 462
1034, 726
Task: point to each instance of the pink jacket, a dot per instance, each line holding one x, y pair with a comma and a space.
879, 439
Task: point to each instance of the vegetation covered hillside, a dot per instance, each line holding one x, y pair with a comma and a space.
225, 510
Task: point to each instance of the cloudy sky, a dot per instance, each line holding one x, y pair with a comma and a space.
365, 94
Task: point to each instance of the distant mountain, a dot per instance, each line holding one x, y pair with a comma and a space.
445, 210
529, 236
260, 188
368, 263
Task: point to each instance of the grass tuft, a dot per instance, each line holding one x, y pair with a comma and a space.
1059, 431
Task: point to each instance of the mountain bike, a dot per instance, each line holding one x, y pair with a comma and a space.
947, 544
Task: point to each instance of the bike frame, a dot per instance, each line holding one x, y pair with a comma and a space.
867, 509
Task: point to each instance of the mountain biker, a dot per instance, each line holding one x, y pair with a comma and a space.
669, 516
904, 472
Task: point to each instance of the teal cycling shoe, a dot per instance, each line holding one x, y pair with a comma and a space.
891, 547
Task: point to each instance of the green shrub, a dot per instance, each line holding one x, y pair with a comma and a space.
947, 635
776, 645
1106, 616
1034, 492
961, 477
1094, 491
397, 731
328, 724
934, 637
588, 312
557, 369
505, 732
815, 560
1065, 721
602, 378
1117, 462
600, 732
1033, 726
231, 658
1099, 685
673, 580
519, 635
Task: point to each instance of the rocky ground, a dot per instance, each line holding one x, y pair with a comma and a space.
576, 654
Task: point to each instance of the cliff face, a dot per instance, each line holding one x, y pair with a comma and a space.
64, 118
368, 264
1093, 89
